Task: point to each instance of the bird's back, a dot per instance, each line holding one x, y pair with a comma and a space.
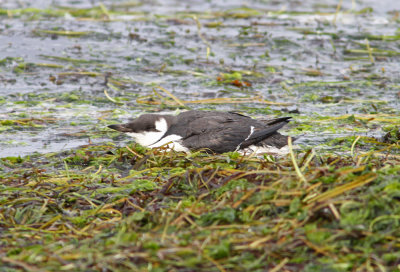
225, 131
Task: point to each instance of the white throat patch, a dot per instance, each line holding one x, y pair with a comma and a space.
147, 138
173, 142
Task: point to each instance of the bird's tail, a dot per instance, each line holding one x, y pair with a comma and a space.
260, 135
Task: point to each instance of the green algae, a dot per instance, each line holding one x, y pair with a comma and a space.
204, 203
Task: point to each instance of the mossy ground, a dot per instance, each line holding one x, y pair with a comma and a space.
120, 209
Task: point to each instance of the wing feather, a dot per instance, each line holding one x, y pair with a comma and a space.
224, 132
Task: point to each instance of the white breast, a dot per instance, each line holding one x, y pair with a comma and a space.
173, 142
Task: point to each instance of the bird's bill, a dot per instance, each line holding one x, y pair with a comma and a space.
120, 128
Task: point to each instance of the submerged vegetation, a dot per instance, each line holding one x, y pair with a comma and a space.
86, 204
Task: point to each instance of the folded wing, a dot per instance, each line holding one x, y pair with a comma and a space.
228, 133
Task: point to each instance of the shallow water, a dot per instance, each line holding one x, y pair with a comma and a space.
289, 52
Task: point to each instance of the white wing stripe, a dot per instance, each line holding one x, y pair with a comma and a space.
248, 137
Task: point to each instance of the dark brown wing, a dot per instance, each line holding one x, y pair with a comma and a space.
216, 133
223, 133
263, 134
277, 140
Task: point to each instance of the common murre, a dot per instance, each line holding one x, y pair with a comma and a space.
215, 131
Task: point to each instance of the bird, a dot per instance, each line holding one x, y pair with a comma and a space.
212, 131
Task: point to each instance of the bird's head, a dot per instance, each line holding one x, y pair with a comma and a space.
146, 129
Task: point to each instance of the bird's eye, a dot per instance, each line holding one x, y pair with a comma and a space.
151, 128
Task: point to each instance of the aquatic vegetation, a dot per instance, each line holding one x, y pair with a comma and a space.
173, 210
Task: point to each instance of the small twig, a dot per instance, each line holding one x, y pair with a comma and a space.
220, 268
337, 11
279, 266
133, 152
169, 219
369, 49
309, 159
104, 10
360, 181
201, 35
334, 211
353, 145
66, 169
296, 167
177, 100
110, 98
